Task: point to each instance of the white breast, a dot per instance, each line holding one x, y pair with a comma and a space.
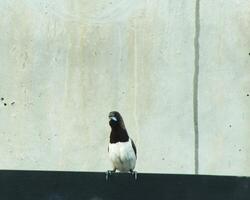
122, 156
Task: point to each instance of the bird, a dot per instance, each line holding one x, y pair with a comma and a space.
122, 150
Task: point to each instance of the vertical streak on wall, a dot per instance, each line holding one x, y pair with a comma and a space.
195, 84
135, 77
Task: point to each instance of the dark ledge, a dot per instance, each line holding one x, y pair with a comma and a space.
48, 185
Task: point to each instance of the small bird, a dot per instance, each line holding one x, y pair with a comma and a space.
122, 150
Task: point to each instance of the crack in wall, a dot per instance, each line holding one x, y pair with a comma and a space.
196, 84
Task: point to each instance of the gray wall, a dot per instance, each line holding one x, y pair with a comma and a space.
178, 71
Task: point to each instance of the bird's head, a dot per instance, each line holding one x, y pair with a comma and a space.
115, 119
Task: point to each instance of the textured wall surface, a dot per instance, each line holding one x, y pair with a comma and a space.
224, 87
178, 71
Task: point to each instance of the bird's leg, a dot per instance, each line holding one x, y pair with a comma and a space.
109, 172
134, 173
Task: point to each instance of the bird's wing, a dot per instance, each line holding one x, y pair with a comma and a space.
134, 147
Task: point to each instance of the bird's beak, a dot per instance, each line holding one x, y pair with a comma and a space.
113, 118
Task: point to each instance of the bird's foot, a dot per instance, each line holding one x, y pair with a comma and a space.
134, 173
109, 173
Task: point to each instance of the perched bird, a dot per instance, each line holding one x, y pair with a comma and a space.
122, 150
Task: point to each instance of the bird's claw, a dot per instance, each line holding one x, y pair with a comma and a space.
134, 173
109, 173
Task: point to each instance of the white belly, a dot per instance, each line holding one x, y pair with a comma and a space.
122, 156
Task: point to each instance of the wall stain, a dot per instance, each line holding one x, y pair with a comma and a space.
195, 84
5, 104
135, 80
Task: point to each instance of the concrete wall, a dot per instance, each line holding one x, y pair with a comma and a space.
224, 89
178, 71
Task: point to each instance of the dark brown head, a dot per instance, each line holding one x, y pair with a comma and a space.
118, 130
115, 119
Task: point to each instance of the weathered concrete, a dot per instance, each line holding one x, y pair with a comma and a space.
66, 64
224, 89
